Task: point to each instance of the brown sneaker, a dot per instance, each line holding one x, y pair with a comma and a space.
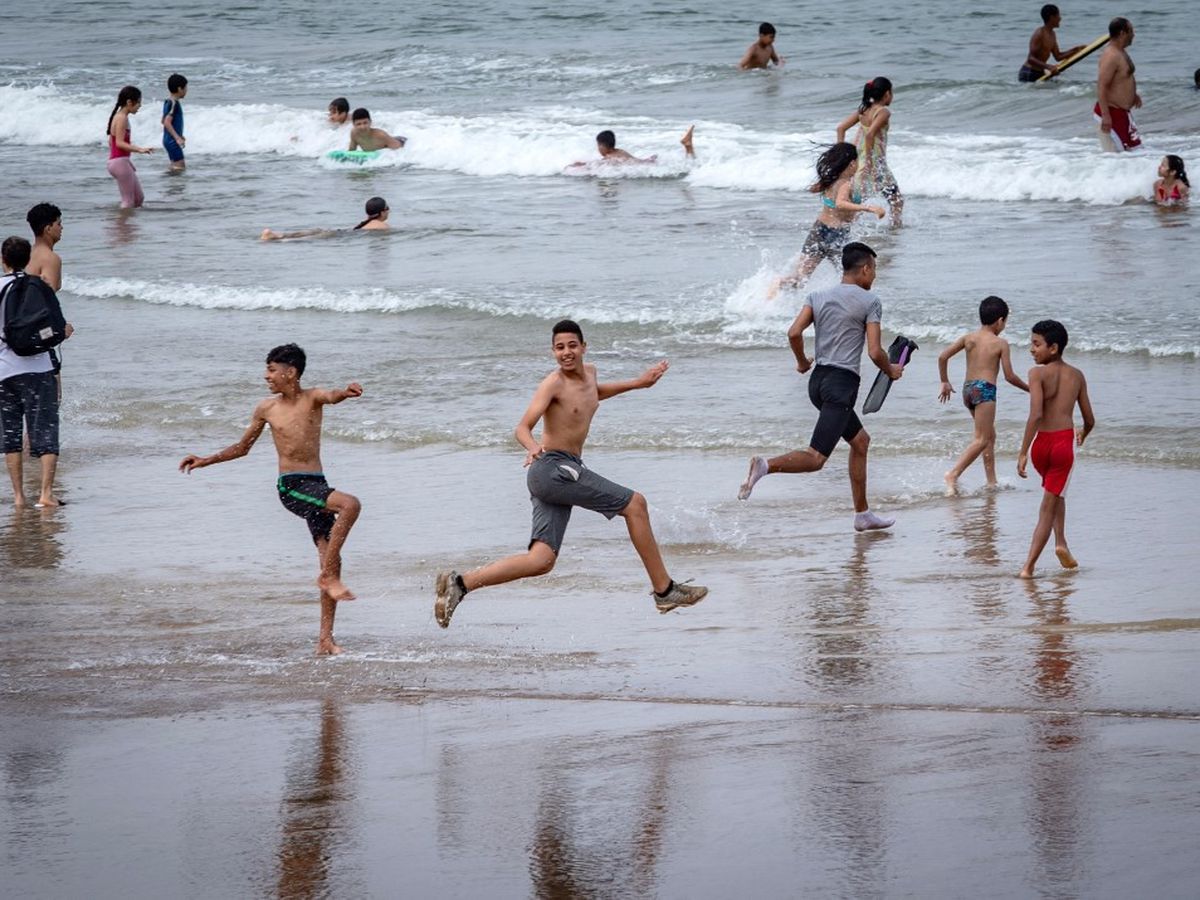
680, 595
449, 595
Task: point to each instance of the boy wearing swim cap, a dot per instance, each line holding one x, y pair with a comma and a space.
295, 414
365, 137
1055, 389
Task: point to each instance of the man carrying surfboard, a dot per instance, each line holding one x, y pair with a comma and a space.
845, 317
1116, 91
1044, 45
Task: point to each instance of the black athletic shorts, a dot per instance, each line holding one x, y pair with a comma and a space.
30, 398
834, 391
305, 493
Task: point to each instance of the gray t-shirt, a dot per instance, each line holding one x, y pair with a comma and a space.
840, 316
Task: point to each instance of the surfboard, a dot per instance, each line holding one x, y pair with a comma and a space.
900, 352
353, 156
1071, 60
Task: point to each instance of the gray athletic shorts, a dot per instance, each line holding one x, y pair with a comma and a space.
558, 481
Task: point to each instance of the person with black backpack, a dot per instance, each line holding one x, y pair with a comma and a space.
31, 325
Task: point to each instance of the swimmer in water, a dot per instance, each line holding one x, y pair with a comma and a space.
365, 137
840, 203
377, 215
1172, 186
606, 146
339, 111
1044, 45
761, 53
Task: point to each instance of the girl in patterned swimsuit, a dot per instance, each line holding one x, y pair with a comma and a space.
873, 119
840, 203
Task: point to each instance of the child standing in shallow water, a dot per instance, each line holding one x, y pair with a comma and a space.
873, 118
294, 414
120, 166
1054, 390
986, 353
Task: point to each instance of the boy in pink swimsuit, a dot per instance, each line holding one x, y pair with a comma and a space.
1054, 390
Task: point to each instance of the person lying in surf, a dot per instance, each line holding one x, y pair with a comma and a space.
377, 215
606, 146
363, 136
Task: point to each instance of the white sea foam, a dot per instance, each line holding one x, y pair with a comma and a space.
545, 142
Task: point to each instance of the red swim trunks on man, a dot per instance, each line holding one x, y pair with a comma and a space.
1124, 130
1053, 455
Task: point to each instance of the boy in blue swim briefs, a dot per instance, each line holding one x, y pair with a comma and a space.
172, 121
986, 353
294, 414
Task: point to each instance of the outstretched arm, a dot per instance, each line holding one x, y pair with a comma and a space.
1034, 420
1085, 410
330, 397
542, 398
944, 367
392, 143
842, 201
649, 378
233, 451
796, 339
1009, 375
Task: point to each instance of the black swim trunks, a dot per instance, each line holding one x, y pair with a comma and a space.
834, 391
1028, 73
305, 493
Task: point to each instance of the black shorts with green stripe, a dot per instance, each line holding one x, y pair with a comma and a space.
305, 493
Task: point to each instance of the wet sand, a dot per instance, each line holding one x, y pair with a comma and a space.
846, 715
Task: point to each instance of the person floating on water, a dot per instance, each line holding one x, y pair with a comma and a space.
558, 481
845, 317
761, 53
840, 203
1116, 91
1044, 45
987, 352
1055, 388
120, 166
339, 111
1172, 187
377, 211
172, 121
365, 137
610, 153
295, 414
873, 118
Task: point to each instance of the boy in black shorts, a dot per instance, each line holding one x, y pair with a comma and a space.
294, 414
845, 317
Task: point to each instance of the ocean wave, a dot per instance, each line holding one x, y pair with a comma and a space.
545, 142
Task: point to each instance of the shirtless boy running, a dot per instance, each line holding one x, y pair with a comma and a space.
1043, 46
986, 353
1054, 390
565, 402
365, 137
294, 414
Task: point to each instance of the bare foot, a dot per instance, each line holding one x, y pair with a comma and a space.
326, 647
332, 585
20, 502
951, 484
46, 502
1026, 573
1065, 559
686, 140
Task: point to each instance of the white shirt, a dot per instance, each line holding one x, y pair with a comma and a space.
10, 363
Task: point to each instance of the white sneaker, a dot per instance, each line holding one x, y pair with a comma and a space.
758, 468
868, 521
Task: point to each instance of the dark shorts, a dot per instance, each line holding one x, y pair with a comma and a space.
833, 391
31, 398
559, 481
174, 151
1028, 74
305, 493
826, 242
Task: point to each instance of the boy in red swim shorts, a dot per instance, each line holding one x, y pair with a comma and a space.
1054, 390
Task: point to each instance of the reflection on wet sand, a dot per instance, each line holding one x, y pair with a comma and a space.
572, 855
1058, 802
977, 525
316, 794
30, 539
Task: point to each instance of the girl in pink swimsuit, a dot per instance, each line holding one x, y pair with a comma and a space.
1172, 186
120, 167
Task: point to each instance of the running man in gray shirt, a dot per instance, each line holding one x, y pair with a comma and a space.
845, 317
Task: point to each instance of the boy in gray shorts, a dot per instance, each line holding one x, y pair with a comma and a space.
565, 402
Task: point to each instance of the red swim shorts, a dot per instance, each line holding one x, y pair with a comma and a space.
1053, 455
1123, 128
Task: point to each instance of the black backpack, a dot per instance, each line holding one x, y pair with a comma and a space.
33, 320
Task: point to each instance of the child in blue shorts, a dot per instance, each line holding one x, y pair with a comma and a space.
172, 121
